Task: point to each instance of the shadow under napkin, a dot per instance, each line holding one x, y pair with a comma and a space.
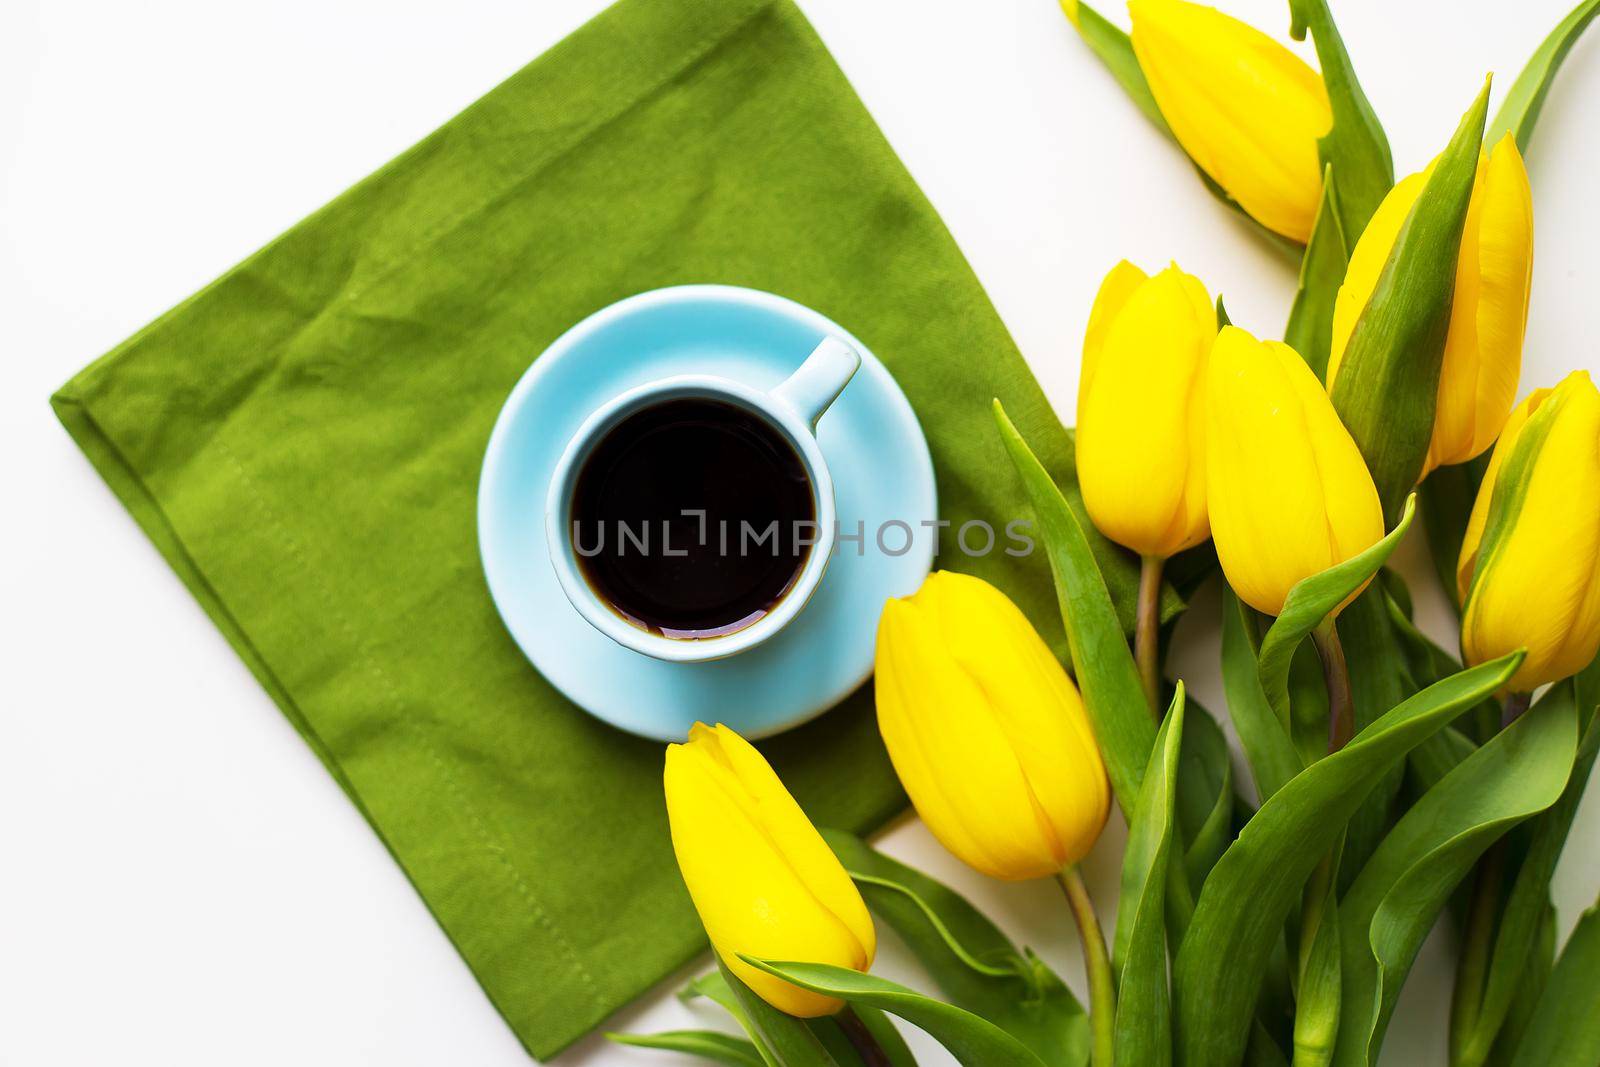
302, 438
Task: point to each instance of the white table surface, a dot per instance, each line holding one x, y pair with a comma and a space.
182, 882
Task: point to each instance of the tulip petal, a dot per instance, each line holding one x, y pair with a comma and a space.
1290, 495
1140, 434
798, 842
1535, 584
1505, 275
1456, 402
1246, 109
949, 752
1119, 284
1035, 705
755, 877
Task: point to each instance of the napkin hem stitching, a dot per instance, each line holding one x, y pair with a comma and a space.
487, 838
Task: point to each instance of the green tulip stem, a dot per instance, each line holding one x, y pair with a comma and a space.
1097, 963
1515, 705
1312, 1041
1147, 631
1336, 676
861, 1039
1472, 970
1311, 908
1478, 938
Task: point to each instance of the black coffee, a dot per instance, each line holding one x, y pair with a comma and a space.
692, 517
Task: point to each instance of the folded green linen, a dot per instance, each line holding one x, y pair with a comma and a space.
302, 439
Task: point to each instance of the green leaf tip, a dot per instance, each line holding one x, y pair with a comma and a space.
1519, 112
1387, 386
1109, 681
1311, 601
957, 949
1355, 144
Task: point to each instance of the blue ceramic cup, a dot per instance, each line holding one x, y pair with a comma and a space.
792, 408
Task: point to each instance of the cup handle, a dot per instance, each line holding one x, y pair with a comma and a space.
819, 380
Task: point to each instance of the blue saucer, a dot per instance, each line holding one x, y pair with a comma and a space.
882, 474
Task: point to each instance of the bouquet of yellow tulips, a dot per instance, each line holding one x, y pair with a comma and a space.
1391, 782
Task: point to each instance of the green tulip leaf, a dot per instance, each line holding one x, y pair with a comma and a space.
1564, 1028
1355, 146
1428, 663
831, 1033
1311, 601
1438, 756
1139, 955
887, 1035
1112, 693
1395, 587
971, 1039
1267, 747
782, 1040
1119, 567
1113, 48
971, 962
1263, 1051
1380, 674
1240, 915
1316, 1018
1380, 677
714, 988
1308, 704
1317, 990
830, 1037
1520, 110
1529, 898
1394, 901
1511, 487
1206, 804
1535, 977
936, 923
1387, 386
707, 1044
1310, 327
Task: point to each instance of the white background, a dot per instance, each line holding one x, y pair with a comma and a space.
182, 883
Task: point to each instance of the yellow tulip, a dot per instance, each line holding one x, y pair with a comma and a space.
1246, 109
1529, 573
1483, 351
986, 731
1141, 427
761, 877
1290, 495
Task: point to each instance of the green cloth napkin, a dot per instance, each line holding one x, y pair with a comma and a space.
302, 440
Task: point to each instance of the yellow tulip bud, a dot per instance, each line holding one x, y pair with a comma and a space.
1246, 109
986, 731
1290, 495
1483, 351
761, 877
1529, 572
1141, 426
